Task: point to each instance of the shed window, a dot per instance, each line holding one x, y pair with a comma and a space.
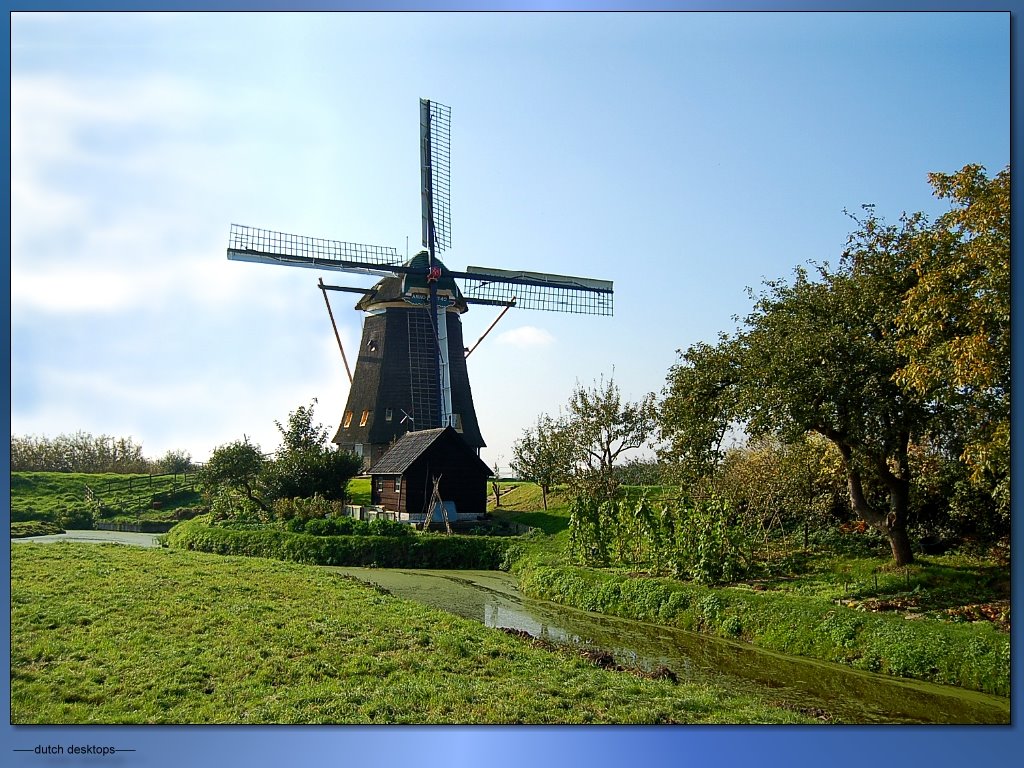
380, 485
398, 483
363, 418
348, 420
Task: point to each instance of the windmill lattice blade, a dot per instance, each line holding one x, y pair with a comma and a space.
436, 171
269, 247
539, 290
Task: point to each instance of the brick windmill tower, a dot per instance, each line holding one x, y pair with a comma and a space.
410, 371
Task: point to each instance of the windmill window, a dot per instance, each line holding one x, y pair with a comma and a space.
388, 414
363, 418
457, 420
372, 345
348, 420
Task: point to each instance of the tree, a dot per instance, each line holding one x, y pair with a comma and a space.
543, 455
305, 465
301, 433
236, 466
175, 461
78, 452
820, 356
601, 427
698, 410
955, 321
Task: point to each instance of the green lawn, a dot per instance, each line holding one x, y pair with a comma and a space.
359, 491
108, 634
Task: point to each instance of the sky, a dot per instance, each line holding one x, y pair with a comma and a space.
685, 157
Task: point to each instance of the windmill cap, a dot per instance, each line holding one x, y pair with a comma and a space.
393, 290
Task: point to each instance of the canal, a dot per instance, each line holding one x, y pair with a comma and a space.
846, 694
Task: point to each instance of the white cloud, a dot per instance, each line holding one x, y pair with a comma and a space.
73, 290
121, 196
526, 337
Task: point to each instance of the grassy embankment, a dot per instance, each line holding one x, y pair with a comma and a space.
60, 497
109, 634
858, 609
27, 528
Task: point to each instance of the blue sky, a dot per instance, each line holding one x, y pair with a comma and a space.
682, 156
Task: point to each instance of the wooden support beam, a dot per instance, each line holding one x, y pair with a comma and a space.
323, 289
491, 326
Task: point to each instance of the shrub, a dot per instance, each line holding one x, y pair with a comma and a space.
382, 527
306, 509
313, 471
330, 526
228, 503
79, 518
175, 462
306, 465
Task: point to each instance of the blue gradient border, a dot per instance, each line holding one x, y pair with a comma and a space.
528, 746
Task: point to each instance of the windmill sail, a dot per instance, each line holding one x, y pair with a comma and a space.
435, 173
265, 246
538, 290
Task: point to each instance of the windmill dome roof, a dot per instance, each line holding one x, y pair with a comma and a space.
392, 290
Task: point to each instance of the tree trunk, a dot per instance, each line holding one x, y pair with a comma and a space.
894, 524
899, 542
544, 495
895, 527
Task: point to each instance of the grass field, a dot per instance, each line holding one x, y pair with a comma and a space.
107, 634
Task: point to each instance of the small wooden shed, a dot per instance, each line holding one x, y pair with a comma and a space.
403, 478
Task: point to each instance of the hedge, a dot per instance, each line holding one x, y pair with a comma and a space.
420, 551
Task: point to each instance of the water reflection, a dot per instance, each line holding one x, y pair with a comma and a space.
850, 696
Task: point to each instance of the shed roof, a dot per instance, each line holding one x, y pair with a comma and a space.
410, 446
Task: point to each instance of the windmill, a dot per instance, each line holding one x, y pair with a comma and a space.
411, 370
